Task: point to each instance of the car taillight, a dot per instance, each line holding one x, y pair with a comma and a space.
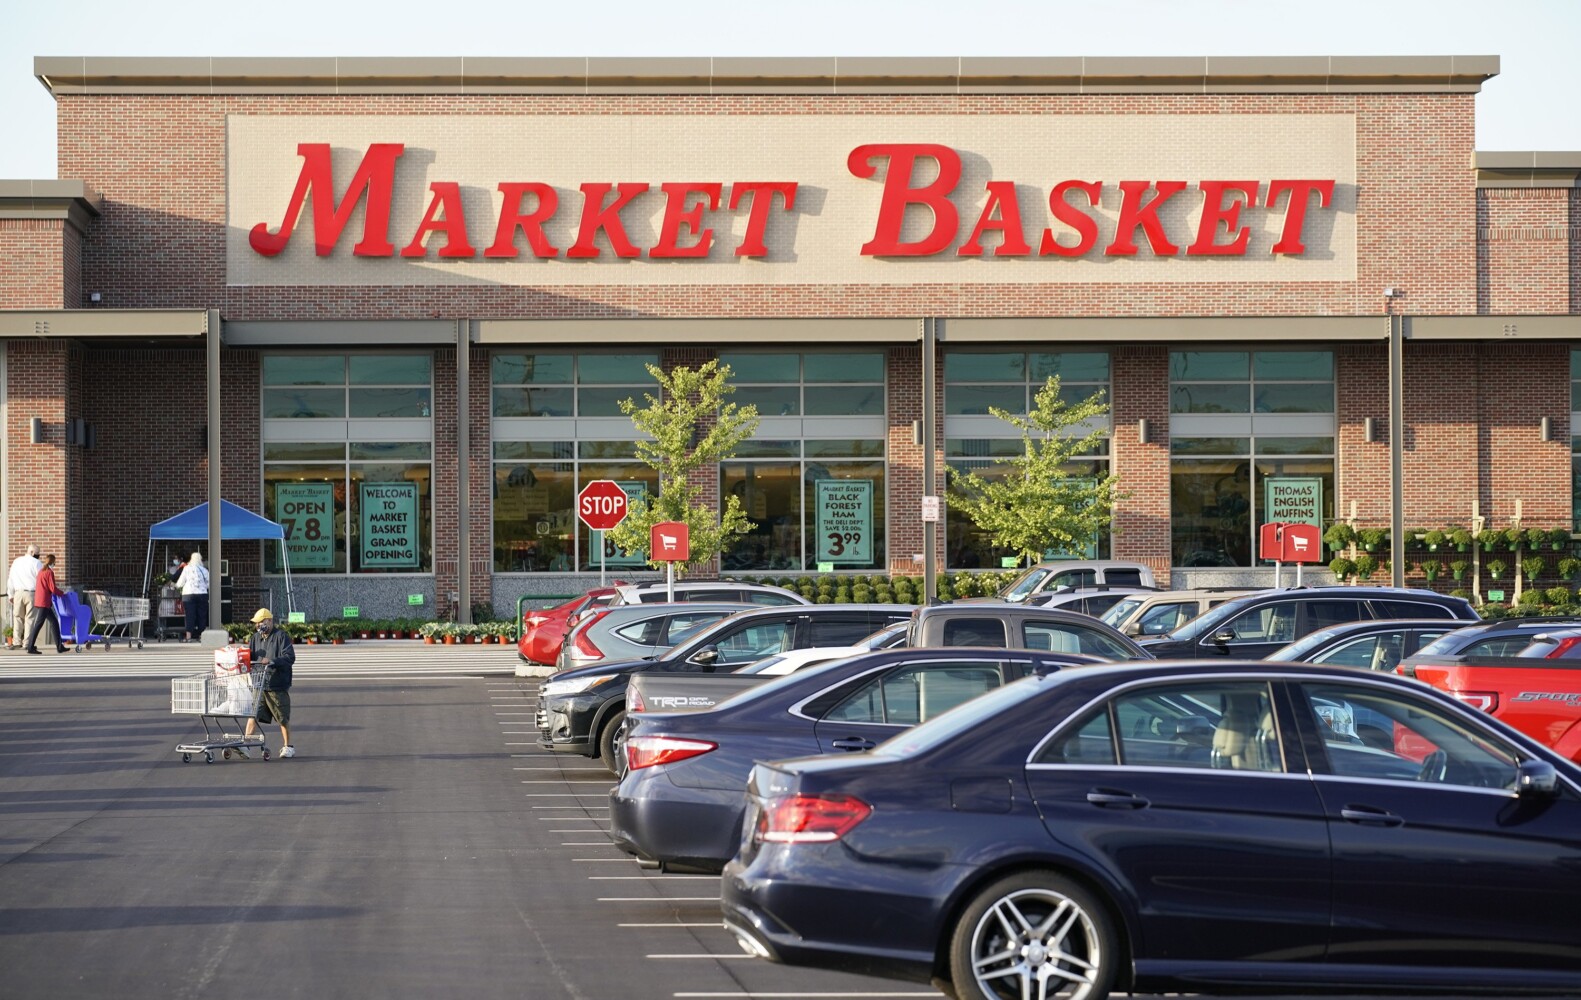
649, 751
583, 648
1565, 648
1487, 701
810, 819
634, 702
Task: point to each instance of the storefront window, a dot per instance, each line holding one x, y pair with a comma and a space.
974, 381
363, 503
568, 385
369, 514
824, 509
536, 529
1221, 489
969, 547
1251, 382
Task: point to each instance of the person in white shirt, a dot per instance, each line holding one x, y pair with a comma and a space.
194, 584
20, 584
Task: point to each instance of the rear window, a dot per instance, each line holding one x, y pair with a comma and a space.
1061, 637
1123, 577
769, 598
974, 632
1325, 614
839, 630
1554, 647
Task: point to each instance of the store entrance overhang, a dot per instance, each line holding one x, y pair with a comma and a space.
585, 332
1176, 329
105, 324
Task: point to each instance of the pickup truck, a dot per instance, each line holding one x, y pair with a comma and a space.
1536, 690
975, 624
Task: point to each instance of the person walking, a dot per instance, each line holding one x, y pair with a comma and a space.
44, 590
194, 584
271, 647
24, 575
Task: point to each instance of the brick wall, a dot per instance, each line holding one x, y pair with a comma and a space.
39, 272
1524, 250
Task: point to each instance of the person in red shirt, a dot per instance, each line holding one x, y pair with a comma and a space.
44, 608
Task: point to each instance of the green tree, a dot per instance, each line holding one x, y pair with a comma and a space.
1041, 504
689, 427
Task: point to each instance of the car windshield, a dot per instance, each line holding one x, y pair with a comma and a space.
1209, 619
887, 637
1025, 584
1117, 614
1298, 651
948, 725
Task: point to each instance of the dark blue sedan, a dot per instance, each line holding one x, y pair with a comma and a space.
1174, 827
680, 802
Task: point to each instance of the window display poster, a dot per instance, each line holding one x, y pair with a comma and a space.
845, 521
389, 526
1293, 500
613, 554
307, 513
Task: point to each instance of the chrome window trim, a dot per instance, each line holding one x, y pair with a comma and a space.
796, 709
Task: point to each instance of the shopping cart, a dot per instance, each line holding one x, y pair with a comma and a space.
216, 699
118, 619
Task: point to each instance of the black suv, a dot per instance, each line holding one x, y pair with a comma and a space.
1253, 626
581, 711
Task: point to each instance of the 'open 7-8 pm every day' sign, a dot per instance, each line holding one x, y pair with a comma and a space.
389, 526
307, 513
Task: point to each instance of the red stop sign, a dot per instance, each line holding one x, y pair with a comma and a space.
602, 504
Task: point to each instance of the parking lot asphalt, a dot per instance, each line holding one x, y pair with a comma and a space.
421, 845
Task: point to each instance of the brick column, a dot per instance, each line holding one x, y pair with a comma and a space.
44, 481
1141, 521
904, 528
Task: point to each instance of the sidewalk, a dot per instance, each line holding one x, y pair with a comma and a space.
406, 657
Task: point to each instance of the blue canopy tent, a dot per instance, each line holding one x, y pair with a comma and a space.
236, 524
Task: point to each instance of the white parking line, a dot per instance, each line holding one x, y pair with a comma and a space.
713, 923
646, 878
663, 899
588, 808
804, 994
565, 795
586, 843
715, 957
606, 861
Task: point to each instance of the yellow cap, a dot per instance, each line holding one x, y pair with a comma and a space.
262, 614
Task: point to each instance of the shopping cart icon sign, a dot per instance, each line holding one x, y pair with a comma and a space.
1298, 543
670, 541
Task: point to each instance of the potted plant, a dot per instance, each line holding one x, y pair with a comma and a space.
1431, 569
1373, 538
1416, 538
1461, 537
1533, 567
1568, 567
1513, 537
1339, 535
449, 634
1458, 567
1490, 540
430, 632
311, 634
1536, 538
1559, 538
364, 628
1366, 566
1496, 567
334, 632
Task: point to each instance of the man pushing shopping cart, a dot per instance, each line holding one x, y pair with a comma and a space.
271, 647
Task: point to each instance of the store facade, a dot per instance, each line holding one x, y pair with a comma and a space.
434, 281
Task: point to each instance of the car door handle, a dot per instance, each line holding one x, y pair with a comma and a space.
1370, 817
1116, 800
853, 743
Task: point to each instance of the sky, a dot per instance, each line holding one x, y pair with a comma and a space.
1528, 106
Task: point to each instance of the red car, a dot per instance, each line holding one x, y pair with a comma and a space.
543, 629
1536, 689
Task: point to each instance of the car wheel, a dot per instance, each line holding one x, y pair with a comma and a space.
1035, 934
612, 743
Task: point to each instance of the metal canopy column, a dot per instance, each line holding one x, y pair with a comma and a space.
463, 477
1396, 449
930, 403
214, 635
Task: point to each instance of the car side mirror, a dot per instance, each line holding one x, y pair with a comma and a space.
1133, 628
706, 657
1224, 638
1536, 779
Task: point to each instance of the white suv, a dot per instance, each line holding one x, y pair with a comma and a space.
708, 590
